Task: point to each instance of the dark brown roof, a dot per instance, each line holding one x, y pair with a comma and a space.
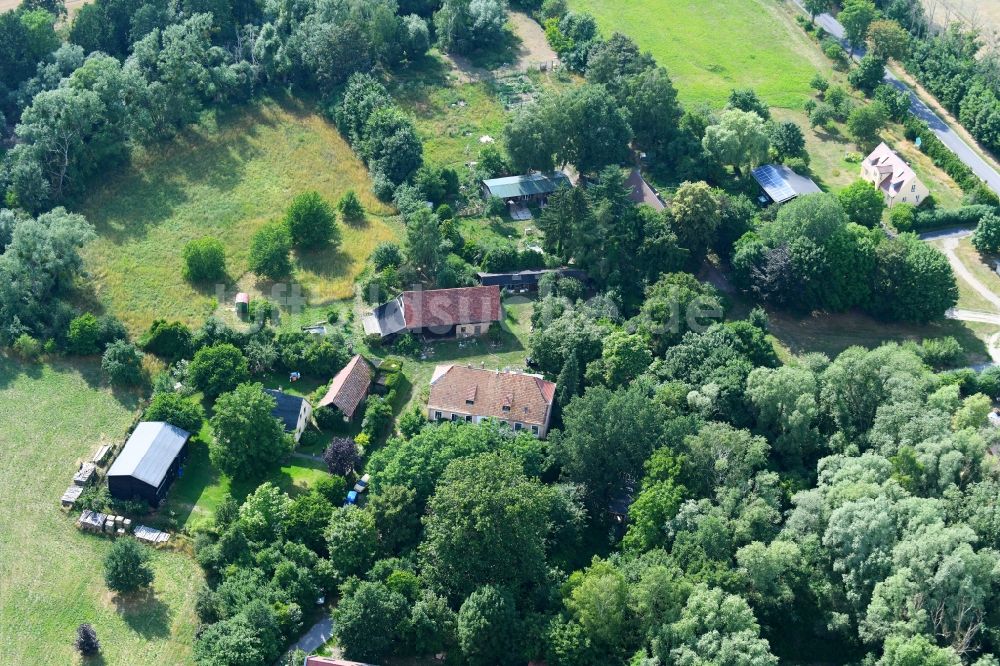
448, 307
349, 387
527, 397
640, 191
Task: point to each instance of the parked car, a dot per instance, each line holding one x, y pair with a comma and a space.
362, 483
352, 498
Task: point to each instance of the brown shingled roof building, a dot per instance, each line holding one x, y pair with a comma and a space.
460, 313
461, 393
349, 387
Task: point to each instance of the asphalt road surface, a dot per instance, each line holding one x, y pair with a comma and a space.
940, 128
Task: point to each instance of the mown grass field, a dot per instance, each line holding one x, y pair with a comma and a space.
53, 416
225, 177
709, 48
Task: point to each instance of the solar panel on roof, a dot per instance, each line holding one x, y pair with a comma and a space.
774, 183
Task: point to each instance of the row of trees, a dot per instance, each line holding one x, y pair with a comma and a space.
812, 257
135, 72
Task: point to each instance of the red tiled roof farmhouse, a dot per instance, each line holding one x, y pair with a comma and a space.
457, 388
448, 307
349, 387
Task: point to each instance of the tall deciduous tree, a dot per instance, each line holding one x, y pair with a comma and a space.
312, 222
863, 203
856, 16
696, 212
126, 566
249, 440
486, 628
486, 523
738, 139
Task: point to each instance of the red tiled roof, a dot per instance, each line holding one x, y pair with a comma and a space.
349, 387
528, 397
448, 307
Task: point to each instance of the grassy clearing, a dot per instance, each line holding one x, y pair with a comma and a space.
51, 417
225, 177
833, 333
980, 267
709, 48
450, 116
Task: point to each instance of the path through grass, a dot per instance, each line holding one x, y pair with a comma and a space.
51, 418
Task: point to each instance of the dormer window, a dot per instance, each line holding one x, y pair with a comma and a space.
470, 402
506, 408
913, 188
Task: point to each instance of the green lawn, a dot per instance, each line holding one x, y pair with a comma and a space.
833, 333
450, 117
52, 417
709, 48
225, 177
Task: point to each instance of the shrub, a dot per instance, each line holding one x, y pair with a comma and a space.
412, 422
122, 363
407, 345
84, 335
333, 488
902, 217
350, 207
269, 250
444, 212
988, 382
378, 416
834, 51
940, 353
27, 348
312, 222
386, 254
261, 311
126, 566
176, 409
204, 260
495, 207
217, 369
86, 642
382, 186
170, 341
986, 237
341, 456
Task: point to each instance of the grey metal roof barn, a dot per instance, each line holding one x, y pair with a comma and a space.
782, 184
532, 185
149, 452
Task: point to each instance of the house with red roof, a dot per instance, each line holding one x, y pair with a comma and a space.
464, 393
349, 387
437, 313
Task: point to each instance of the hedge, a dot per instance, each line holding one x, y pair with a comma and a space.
940, 154
966, 216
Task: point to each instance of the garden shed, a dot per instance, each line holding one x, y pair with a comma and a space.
149, 462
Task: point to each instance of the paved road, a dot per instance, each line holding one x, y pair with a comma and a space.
940, 128
318, 635
941, 234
